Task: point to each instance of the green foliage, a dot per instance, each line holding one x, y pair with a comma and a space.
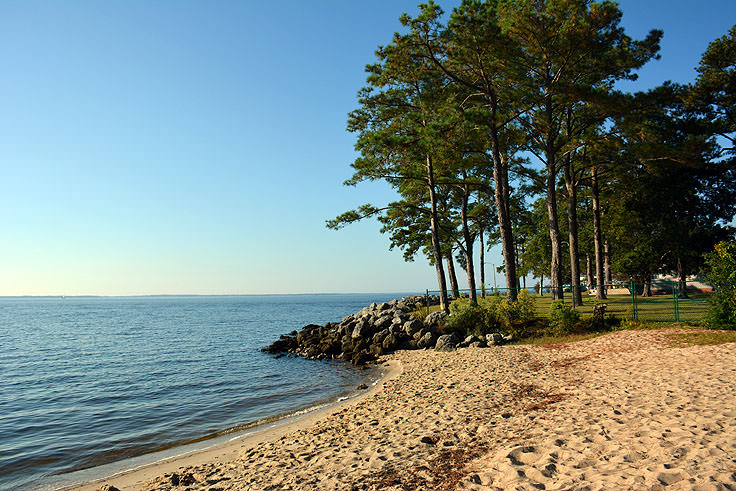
563, 317
466, 318
522, 310
721, 264
495, 313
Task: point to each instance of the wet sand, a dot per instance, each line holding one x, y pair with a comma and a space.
622, 411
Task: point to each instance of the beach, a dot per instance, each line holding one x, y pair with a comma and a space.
626, 410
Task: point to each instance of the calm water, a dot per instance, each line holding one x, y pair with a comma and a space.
88, 381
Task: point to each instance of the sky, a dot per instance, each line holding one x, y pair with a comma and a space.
197, 147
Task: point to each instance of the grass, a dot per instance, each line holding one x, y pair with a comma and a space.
702, 337
654, 312
567, 338
657, 308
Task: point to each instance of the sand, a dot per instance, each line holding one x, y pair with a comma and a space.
622, 411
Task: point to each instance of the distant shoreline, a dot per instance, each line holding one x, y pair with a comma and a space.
194, 295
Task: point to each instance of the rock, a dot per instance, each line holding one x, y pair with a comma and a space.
362, 387
383, 321
360, 344
396, 329
362, 330
108, 487
346, 344
185, 479
433, 318
383, 306
283, 345
379, 336
362, 357
391, 342
508, 338
428, 340
446, 342
494, 339
376, 350
476, 344
412, 327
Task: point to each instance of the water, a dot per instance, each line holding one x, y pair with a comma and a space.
89, 381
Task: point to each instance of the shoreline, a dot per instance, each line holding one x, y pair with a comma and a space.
131, 479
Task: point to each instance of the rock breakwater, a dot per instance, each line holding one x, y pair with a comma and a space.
375, 330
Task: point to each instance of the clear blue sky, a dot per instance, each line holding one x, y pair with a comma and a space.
198, 147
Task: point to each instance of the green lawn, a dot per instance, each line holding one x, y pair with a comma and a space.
658, 308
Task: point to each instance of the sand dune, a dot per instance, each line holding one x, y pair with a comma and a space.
622, 411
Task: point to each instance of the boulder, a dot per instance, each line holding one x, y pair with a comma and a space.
376, 350
362, 357
446, 342
361, 331
396, 329
379, 336
477, 344
412, 327
383, 321
494, 339
284, 345
391, 342
433, 318
427, 340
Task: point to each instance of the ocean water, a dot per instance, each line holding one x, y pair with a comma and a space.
89, 381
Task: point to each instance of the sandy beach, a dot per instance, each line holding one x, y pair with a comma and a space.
628, 410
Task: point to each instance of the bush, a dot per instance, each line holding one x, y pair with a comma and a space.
522, 310
564, 318
466, 318
721, 267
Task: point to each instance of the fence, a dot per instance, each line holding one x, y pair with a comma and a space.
657, 301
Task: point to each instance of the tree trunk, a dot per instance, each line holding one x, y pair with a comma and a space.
453, 277
589, 271
607, 262
600, 293
468, 239
541, 285
572, 220
435, 229
550, 155
500, 179
554, 237
482, 265
682, 277
647, 290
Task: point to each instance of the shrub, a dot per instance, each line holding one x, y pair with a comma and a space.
721, 267
522, 310
564, 318
466, 318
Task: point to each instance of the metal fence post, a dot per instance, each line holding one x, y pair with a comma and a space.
633, 300
426, 300
675, 301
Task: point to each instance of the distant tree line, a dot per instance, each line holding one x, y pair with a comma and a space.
501, 123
